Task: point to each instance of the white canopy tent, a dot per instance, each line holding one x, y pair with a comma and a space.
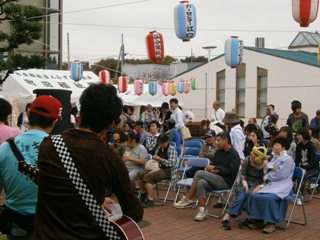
130, 98
20, 84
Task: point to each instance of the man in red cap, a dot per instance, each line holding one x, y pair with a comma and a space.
21, 191
62, 212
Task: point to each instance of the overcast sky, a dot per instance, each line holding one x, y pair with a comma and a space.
95, 32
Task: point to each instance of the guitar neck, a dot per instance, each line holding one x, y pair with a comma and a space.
30, 171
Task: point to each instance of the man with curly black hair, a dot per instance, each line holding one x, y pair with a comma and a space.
61, 212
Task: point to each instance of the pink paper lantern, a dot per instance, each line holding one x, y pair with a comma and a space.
186, 86
165, 89
138, 87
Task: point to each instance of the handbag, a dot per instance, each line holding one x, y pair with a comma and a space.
152, 165
185, 133
272, 129
5, 219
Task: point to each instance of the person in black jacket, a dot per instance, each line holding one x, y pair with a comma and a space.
163, 116
306, 156
220, 174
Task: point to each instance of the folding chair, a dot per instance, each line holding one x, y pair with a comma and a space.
169, 183
149, 157
315, 181
173, 144
265, 142
197, 140
192, 162
194, 143
298, 173
220, 192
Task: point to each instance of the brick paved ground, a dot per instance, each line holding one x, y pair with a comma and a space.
170, 223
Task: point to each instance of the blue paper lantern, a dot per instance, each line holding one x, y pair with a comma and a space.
185, 21
153, 87
181, 87
233, 51
76, 70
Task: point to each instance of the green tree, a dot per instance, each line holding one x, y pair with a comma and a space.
197, 59
26, 26
109, 64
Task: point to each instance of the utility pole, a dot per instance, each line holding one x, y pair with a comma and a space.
121, 55
191, 55
68, 44
209, 49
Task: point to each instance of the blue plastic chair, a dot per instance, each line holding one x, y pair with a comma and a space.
315, 181
149, 157
192, 162
173, 144
193, 143
298, 173
220, 192
265, 142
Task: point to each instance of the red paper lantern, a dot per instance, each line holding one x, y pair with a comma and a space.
122, 84
138, 87
155, 46
305, 11
104, 76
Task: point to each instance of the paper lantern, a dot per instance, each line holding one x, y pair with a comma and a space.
186, 86
165, 89
233, 51
194, 84
138, 87
305, 11
155, 46
153, 87
76, 70
185, 21
173, 89
180, 87
104, 76
122, 84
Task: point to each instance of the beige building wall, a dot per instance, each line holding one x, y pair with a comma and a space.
287, 81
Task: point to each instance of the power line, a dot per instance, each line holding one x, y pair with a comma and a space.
90, 9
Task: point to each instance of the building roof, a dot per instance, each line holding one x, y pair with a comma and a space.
296, 56
305, 39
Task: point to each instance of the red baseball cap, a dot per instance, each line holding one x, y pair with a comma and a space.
52, 106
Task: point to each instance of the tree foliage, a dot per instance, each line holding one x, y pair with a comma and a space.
26, 26
194, 59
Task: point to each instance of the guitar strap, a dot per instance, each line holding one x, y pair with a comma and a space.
32, 172
84, 191
15, 149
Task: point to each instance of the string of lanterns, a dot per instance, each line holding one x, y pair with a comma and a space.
185, 22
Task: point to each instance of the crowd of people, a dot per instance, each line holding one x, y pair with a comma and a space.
111, 146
